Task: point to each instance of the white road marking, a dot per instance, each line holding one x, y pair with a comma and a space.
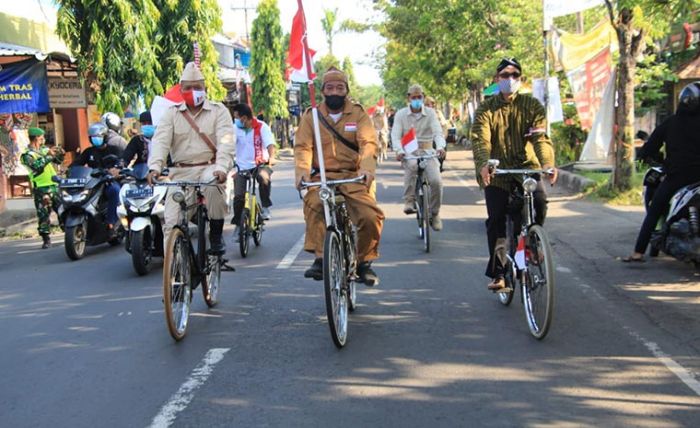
179, 401
563, 269
288, 260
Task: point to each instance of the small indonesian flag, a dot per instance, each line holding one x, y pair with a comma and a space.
409, 142
520, 254
161, 104
296, 56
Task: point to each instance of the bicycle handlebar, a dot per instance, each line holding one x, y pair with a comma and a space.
329, 183
497, 171
184, 183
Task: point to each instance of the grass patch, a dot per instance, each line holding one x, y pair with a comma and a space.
602, 192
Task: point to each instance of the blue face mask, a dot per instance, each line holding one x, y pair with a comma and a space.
97, 141
416, 104
148, 130
239, 123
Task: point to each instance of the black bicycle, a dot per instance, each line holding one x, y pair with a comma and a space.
528, 253
184, 268
423, 213
339, 257
252, 223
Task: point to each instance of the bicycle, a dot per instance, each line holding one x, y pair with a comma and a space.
183, 267
528, 254
251, 222
422, 195
339, 257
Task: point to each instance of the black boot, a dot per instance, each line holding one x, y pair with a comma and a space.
47, 241
316, 270
216, 239
367, 275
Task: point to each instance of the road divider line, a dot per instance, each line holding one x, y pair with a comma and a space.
288, 259
182, 398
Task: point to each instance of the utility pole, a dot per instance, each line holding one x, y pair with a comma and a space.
245, 8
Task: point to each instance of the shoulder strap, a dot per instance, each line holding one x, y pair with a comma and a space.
201, 134
337, 135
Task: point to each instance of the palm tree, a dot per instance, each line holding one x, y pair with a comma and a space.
328, 23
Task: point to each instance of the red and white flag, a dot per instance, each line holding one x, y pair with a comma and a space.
520, 254
409, 142
296, 58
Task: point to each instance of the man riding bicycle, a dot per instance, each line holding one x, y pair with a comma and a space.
349, 147
427, 127
198, 135
255, 147
510, 127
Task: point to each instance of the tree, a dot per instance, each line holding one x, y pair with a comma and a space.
329, 29
635, 21
181, 24
269, 89
114, 48
348, 69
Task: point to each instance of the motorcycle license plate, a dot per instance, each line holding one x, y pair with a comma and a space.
73, 182
143, 192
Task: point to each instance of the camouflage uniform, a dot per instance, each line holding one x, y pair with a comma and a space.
46, 197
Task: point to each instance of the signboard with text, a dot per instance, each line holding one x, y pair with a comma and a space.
23, 87
66, 92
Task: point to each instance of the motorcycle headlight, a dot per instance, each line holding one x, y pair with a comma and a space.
82, 196
66, 196
530, 185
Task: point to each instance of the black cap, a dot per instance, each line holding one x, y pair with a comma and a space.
145, 117
505, 62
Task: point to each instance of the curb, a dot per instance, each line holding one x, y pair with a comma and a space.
574, 182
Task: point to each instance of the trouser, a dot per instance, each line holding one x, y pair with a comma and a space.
363, 211
214, 195
45, 200
432, 174
659, 205
497, 200
264, 191
112, 194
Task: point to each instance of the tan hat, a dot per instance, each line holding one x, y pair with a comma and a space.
191, 73
415, 89
335, 75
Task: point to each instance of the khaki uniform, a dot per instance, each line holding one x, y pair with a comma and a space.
175, 137
340, 162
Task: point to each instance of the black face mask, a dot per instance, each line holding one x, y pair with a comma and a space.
335, 102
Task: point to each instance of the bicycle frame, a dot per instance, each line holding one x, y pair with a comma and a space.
251, 198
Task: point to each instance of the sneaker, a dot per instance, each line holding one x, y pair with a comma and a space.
409, 208
47, 242
436, 223
265, 212
316, 270
367, 275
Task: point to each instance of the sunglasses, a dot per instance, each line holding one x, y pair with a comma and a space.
515, 75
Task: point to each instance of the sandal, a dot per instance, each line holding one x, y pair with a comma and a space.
498, 284
632, 259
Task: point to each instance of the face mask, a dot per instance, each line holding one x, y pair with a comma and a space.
416, 104
194, 98
97, 141
335, 102
239, 123
148, 130
508, 86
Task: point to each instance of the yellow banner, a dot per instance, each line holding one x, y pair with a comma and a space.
571, 50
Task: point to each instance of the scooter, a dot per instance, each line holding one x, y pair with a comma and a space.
83, 210
142, 213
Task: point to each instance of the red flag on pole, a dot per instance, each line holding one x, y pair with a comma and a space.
298, 46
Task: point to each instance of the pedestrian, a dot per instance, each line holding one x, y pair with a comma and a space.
39, 161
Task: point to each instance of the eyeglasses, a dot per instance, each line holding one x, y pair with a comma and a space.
515, 75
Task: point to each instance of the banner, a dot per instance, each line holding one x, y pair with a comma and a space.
554, 8
23, 87
597, 147
555, 111
571, 50
588, 83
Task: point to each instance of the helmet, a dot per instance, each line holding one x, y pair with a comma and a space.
97, 133
689, 99
112, 120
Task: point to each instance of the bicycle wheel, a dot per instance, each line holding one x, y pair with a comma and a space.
210, 288
258, 231
244, 233
334, 288
511, 274
426, 217
538, 287
177, 289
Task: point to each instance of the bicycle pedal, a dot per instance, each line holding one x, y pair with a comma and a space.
503, 290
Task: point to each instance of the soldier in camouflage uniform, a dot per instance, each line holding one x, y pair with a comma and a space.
39, 160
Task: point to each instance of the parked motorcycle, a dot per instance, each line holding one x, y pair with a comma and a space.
678, 233
83, 210
142, 213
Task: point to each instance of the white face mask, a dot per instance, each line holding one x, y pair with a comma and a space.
509, 85
199, 97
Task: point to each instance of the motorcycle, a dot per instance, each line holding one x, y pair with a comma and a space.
83, 210
678, 234
142, 213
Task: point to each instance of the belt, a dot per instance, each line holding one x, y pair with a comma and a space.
190, 165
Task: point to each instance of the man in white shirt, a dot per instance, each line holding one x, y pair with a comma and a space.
427, 129
255, 147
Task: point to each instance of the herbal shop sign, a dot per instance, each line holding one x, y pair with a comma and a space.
66, 92
23, 87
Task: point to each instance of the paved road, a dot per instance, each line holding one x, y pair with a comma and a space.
84, 343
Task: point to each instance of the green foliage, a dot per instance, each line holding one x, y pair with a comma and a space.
568, 137
267, 55
329, 28
348, 69
650, 82
369, 95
